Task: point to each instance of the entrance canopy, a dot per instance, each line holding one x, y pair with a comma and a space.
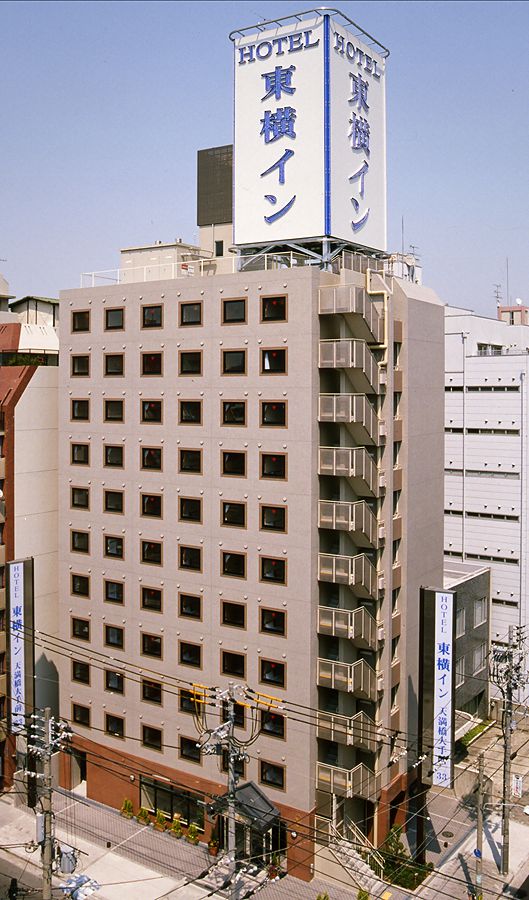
252, 806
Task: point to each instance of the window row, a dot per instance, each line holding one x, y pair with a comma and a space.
234, 311
190, 460
272, 413
273, 361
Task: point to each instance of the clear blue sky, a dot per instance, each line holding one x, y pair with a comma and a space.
103, 106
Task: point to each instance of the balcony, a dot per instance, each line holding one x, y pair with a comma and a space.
357, 782
356, 306
358, 731
354, 571
355, 518
353, 463
354, 411
356, 359
357, 678
357, 625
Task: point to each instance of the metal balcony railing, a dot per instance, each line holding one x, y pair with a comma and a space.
357, 782
355, 304
353, 463
354, 571
356, 359
357, 624
356, 678
356, 731
356, 518
356, 412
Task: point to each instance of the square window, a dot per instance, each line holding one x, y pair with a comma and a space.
151, 505
190, 314
113, 456
273, 518
273, 724
151, 363
233, 663
80, 671
234, 412
114, 319
151, 691
80, 585
190, 606
234, 362
190, 362
191, 702
272, 775
190, 654
151, 552
274, 361
114, 364
113, 501
114, 681
81, 629
272, 672
233, 463
240, 765
239, 714
151, 316
151, 458
80, 541
114, 636
80, 365
113, 547
233, 564
273, 414
80, 498
272, 621
113, 410
190, 558
151, 645
274, 465
234, 311
114, 592
234, 614
151, 599
273, 309
190, 509
190, 412
233, 514
272, 569
80, 410
190, 461
81, 715
80, 321
80, 454
189, 749
151, 410
151, 737
114, 726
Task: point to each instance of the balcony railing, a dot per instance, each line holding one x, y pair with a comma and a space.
356, 359
357, 782
356, 678
358, 731
354, 411
356, 518
354, 463
357, 625
354, 571
356, 304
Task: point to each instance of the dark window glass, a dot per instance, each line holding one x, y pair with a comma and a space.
273, 413
151, 364
233, 663
114, 364
190, 362
81, 585
190, 558
151, 645
80, 365
271, 774
113, 456
80, 410
190, 606
80, 671
239, 716
151, 691
190, 654
114, 636
273, 569
189, 749
234, 614
273, 361
114, 410
151, 410
273, 518
151, 458
114, 681
190, 314
233, 311
219, 248
81, 629
234, 514
80, 498
190, 509
273, 621
113, 501
151, 505
233, 362
190, 702
190, 460
114, 319
114, 547
273, 309
234, 564
233, 463
151, 737
273, 465
80, 541
81, 321
190, 412
272, 672
151, 552
272, 723
151, 598
81, 715
114, 591
240, 765
115, 726
80, 454
151, 317
233, 412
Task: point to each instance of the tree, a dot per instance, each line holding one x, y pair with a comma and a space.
362, 894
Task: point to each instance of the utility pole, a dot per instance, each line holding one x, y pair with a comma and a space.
479, 831
47, 847
233, 756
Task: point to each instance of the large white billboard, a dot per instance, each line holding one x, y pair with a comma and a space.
309, 142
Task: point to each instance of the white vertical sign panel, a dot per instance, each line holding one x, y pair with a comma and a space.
17, 646
443, 684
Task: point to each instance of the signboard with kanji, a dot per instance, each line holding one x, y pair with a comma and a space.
443, 689
21, 652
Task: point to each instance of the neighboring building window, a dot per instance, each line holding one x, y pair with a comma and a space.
151, 316
234, 614
190, 412
114, 319
80, 365
234, 311
114, 410
272, 774
151, 552
460, 671
151, 458
234, 463
151, 599
460, 621
234, 362
274, 361
190, 314
81, 629
190, 509
272, 672
480, 611
151, 645
113, 456
80, 410
80, 454
190, 558
151, 691
233, 514
272, 569
114, 681
273, 518
273, 414
80, 498
113, 547
151, 363
234, 412
114, 592
273, 724
189, 749
114, 636
273, 309
233, 663
233, 564
80, 671
190, 362
151, 411
151, 737
80, 541
114, 725
272, 621
151, 505
81, 715
479, 658
190, 606
114, 364
113, 501
80, 585
219, 248
190, 654
80, 321
190, 461
274, 465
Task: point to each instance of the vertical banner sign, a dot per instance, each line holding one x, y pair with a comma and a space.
17, 646
310, 135
443, 683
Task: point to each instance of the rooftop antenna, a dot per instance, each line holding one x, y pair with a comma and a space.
414, 250
507, 267
497, 294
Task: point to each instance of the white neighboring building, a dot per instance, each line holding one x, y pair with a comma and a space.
486, 454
